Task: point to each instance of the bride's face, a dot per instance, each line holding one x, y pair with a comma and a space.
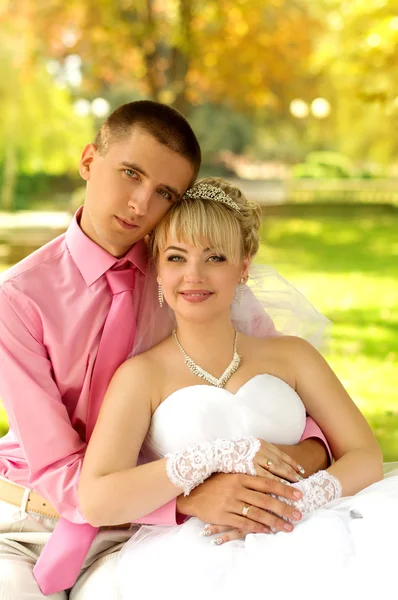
198, 283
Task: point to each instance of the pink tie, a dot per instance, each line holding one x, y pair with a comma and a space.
64, 554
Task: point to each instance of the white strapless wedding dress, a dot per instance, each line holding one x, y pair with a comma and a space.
346, 550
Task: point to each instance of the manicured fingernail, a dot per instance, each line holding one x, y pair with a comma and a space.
217, 541
286, 482
205, 532
296, 515
288, 527
300, 468
297, 494
299, 478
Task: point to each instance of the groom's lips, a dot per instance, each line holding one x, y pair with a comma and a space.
125, 223
195, 296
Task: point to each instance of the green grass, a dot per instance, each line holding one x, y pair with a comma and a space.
348, 267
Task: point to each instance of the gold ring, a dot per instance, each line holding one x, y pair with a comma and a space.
269, 464
245, 510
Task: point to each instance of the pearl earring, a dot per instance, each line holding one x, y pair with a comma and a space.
160, 294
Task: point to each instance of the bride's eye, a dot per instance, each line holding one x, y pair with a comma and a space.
174, 258
217, 258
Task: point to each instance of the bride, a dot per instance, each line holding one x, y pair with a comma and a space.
203, 401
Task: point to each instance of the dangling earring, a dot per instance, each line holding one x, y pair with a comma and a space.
240, 290
160, 294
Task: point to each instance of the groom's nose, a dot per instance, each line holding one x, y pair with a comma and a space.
140, 200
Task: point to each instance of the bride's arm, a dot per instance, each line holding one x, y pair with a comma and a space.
357, 453
109, 475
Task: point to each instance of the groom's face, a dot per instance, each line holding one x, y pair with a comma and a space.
130, 189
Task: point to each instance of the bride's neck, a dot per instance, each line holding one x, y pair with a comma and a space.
213, 339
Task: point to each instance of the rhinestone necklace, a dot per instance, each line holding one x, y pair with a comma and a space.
196, 370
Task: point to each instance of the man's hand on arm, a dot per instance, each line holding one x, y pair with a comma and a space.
311, 454
222, 497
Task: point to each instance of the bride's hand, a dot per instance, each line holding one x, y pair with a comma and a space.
269, 461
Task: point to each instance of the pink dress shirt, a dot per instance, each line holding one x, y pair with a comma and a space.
53, 307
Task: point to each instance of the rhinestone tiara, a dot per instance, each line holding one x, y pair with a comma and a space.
210, 192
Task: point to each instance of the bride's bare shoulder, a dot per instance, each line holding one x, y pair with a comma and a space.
272, 344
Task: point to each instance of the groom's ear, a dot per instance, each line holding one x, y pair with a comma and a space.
86, 160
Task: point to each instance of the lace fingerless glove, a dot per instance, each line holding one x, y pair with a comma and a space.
195, 464
318, 490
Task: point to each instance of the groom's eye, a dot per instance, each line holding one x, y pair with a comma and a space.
165, 194
131, 173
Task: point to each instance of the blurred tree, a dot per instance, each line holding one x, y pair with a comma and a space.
39, 131
244, 53
249, 58
358, 57
219, 128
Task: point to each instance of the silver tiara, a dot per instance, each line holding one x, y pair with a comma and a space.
210, 192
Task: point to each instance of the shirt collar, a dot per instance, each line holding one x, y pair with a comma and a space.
92, 260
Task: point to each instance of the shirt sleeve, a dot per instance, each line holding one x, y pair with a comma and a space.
165, 515
37, 416
312, 430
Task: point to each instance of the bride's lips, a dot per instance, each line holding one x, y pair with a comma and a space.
125, 223
195, 296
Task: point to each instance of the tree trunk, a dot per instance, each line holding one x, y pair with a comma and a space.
180, 58
150, 51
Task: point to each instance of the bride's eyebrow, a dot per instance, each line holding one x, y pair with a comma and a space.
186, 251
176, 248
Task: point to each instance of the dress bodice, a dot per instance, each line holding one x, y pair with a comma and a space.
265, 407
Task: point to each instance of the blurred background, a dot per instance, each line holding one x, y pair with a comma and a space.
295, 101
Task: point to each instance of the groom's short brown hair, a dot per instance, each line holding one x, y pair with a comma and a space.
160, 121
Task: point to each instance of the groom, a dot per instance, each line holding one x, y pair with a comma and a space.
68, 314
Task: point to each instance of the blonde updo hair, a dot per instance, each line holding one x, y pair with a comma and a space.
199, 221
